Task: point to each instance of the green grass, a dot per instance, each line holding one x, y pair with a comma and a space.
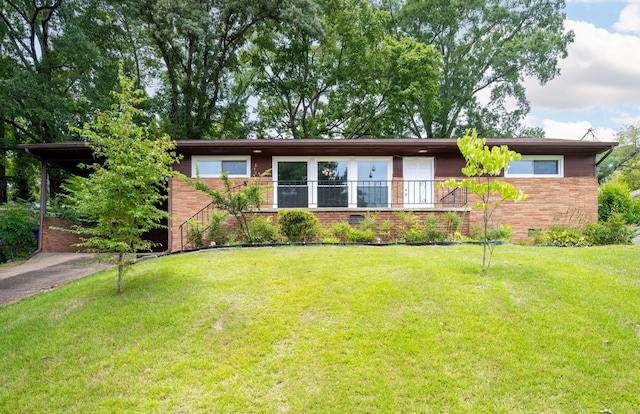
335, 330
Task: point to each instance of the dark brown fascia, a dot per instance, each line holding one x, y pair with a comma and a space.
400, 147
68, 155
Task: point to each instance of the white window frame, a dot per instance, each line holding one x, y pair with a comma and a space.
559, 158
200, 158
312, 175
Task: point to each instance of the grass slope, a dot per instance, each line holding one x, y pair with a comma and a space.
337, 330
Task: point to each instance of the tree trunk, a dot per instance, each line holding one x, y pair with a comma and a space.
3, 164
121, 264
21, 178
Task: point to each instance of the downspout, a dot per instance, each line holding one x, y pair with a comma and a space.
170, 218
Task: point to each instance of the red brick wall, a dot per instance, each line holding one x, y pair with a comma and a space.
56, 241
570, 200
551, 201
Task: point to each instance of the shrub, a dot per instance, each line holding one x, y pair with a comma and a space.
613, 231
615, 197
567, 236
361, 236
262, 230
345, 232
452, 223
18, 227
195, 234
410, 229
327, 236
385, 231
59, 208
216, 233
501, 232
414, 236
298, 225
432, 232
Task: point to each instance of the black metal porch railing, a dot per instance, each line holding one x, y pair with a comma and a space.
392, 194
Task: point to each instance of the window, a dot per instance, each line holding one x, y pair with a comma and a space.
292, 188
373, 184
214, 166
338, 182
333, 184
536, 166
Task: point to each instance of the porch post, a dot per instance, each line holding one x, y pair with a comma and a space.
43, 201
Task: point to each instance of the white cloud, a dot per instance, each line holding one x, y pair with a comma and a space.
577, 130
628, 118
602, 69
629, 20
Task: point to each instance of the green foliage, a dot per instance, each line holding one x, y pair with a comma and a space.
486, 45
59, 207
342, 75
502, 232
344, 231
432, 231
122, 197
563, 236
216, 232
613, 231
623, 164
58, 61
234, 201
452, 222
204, 88
18, 225
408, 220
298, 225
483, 162
615, 197
263, 230
195, 234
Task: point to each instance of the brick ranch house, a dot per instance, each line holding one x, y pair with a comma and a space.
343, 180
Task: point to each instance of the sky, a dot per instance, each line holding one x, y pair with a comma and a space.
597, 92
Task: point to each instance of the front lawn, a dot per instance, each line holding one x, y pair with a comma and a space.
335, 329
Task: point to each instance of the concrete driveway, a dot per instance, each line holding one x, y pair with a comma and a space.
44, 271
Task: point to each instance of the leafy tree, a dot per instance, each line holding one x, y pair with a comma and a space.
58, 59
234, 201
483, 163
198, 42
343, 77
121, 199
624, 163
488, 47
18, 225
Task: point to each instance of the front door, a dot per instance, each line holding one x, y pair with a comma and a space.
418, 182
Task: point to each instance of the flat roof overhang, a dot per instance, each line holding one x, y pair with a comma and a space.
65, 155
68, 155
399, 147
